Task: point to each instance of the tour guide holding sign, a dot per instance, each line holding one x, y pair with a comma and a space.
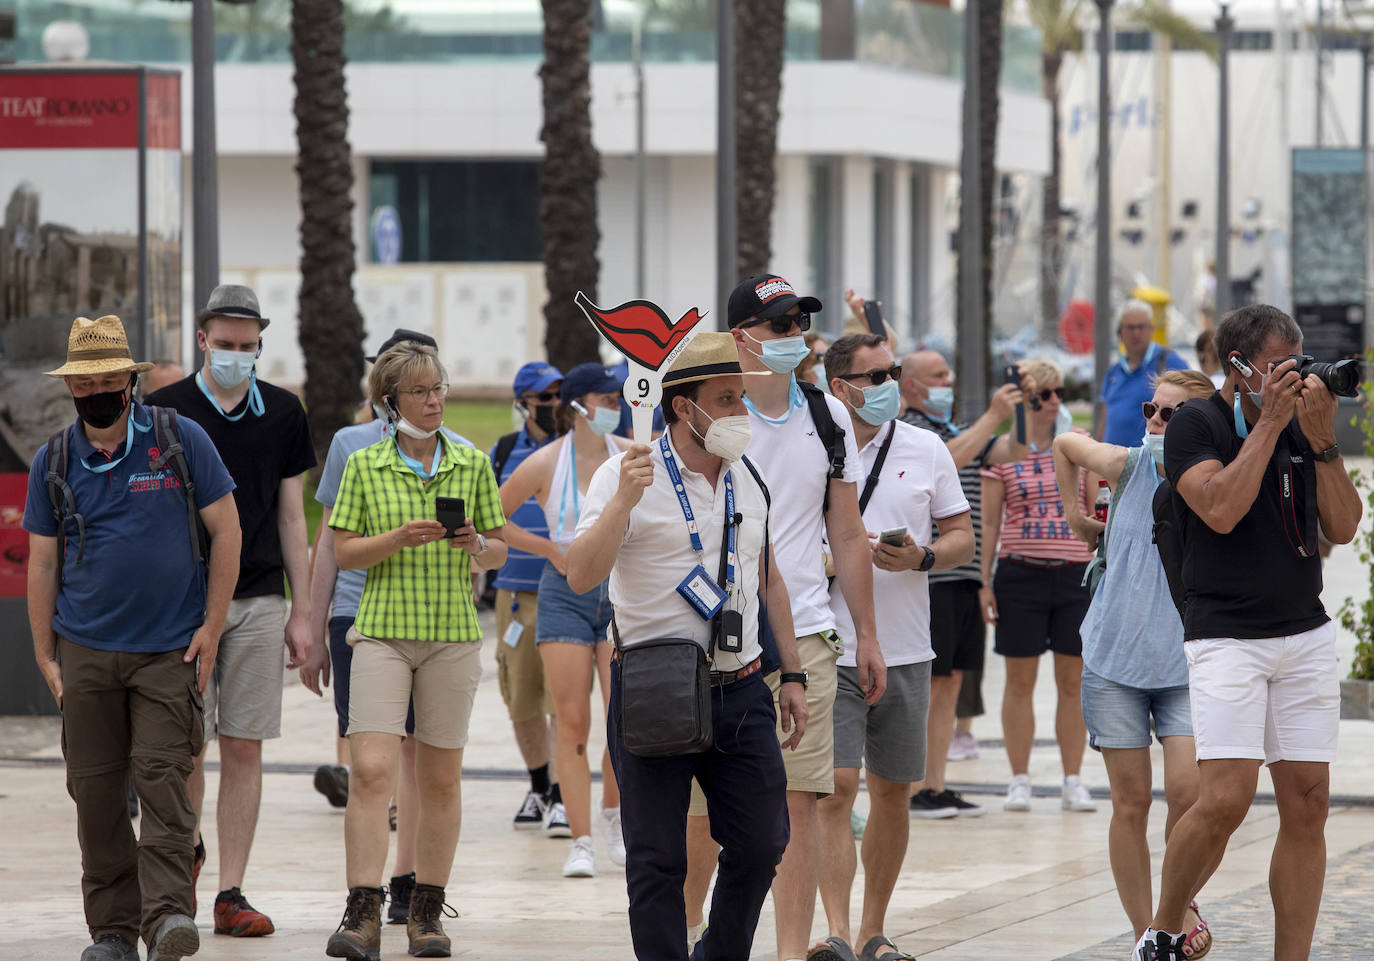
650, 539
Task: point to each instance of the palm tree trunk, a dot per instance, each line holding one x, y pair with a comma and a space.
760, 30
331, 328
567, 183
1051, 241
989, 109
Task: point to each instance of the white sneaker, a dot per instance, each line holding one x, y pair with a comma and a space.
581, 862
1018, 794
615, 838
962, 747
1076, 796
556, 821
694, 933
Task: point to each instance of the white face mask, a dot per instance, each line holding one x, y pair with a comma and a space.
410, 430
727, 437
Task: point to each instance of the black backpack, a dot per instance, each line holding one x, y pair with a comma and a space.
830, 433
172, 456
499, 455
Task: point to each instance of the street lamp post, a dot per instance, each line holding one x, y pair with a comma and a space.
204, 170
639, 153
974, 341
1223, 255
727, 211
1102, 300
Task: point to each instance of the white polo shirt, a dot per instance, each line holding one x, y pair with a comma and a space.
792, 459
656, 553
918, 484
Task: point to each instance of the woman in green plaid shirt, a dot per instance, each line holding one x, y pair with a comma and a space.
416, 634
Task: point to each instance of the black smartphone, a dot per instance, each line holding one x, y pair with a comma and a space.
874, 315
1013, 376
451, 512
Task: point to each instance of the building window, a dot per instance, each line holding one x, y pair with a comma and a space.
460, 211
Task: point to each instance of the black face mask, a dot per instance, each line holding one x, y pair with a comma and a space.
542, 415
102, 410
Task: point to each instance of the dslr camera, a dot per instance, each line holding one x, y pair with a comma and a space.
1341, 378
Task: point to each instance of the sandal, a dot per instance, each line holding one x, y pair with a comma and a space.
831, 949
870, 951
1196, 932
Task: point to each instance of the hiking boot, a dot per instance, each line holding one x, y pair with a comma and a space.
236, 917
426, 933
398, 893
331, 780
197, 862
359, 936
531, 813
925, 803
176, 938
110, 947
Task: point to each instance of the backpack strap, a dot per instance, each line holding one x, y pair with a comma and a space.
830, 433
1098, 565
173, 456
501, 452
61, 499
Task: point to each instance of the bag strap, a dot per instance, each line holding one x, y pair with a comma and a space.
1099, 561
501, 452
61, 498
872, 481
173, 456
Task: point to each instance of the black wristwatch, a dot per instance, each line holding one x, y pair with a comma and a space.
793, 677
928, 561
1328, 455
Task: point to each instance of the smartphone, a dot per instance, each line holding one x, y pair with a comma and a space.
874, 315
895, 536
1013, 376
451, 512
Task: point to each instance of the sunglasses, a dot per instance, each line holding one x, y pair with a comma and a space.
1149, 409
875, 377
547, 397
1049, 392
783, 323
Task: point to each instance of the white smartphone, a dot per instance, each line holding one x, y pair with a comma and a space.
895, 536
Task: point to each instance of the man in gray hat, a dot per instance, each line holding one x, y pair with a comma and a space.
261, 434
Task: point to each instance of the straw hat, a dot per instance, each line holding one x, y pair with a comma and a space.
97, 347
708, 354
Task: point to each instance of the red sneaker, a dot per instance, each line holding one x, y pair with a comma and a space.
235, 916
197, 862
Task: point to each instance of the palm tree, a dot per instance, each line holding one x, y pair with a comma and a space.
760, 29
567, 182
331, 328
1060, 33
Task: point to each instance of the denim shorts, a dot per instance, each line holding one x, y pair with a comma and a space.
1120, 717
568, 617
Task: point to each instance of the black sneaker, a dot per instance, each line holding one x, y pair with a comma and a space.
331, 780
531, 813
1161, 948
398, 892
966, 809
925, 803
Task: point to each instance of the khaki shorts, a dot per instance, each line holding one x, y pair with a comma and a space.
243, 697
519, 669
811, 767
442, 676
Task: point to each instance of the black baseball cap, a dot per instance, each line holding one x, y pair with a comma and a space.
765, 296
402, 336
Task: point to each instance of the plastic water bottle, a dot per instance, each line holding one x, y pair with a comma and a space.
1104, 500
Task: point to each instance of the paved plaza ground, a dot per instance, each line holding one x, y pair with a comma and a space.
1029, 887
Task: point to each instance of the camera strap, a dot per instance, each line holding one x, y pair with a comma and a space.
1301, 531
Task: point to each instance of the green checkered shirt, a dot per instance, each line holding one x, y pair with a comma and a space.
419, 593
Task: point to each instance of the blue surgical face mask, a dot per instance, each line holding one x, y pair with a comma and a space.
231, 367
782, 355
941, 401
881, 403
1154, 446
603, 420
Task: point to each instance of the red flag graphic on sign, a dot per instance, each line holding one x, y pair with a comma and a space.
639, 329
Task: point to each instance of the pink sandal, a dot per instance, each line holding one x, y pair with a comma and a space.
1201, 927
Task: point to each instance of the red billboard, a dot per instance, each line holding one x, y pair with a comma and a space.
48, 110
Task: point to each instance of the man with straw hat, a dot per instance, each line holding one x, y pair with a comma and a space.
655, 517
126, 624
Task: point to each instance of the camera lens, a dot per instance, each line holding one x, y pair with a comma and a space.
1342, 378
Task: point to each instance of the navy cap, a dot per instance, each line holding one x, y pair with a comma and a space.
402, 336
535, 377
765, 296
590, 379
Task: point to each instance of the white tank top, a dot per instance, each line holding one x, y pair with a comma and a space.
564, 502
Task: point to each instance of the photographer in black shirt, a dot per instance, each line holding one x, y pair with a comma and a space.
1255, 467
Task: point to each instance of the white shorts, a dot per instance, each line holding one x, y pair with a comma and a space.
1271, 699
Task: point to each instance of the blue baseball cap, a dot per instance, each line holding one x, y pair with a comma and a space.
590, 379
535, 377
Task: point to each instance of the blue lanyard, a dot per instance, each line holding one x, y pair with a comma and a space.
680, 488
795, 399
416, 466
1150, 353
570, 478
254, 397
947, 422
128, 446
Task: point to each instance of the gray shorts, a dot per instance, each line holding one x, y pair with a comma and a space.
243, 698
889, 738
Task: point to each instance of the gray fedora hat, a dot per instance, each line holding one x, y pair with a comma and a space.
233, 300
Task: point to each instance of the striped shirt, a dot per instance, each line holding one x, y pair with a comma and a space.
418, 593
1033, 520
970, 480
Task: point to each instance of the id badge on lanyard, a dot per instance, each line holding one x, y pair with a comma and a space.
699, 589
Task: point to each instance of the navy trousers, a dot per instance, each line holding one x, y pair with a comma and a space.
745, 785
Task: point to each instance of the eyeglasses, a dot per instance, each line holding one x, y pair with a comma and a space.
547, 397
1149, 409
875, 377
783, 323
1049, 392
424, 393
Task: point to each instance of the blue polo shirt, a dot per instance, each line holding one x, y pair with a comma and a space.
348, 585
1124, 390
521, 571
137, 589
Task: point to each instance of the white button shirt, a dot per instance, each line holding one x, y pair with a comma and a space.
656, 554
